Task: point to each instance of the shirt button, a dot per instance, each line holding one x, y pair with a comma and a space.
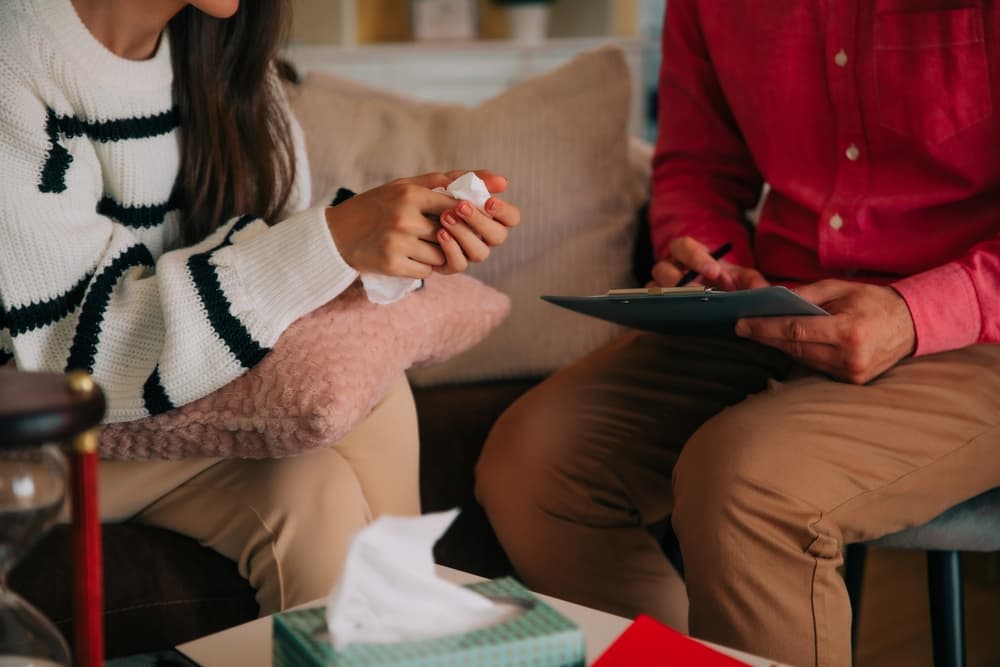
841, 58
852, 152
836, 222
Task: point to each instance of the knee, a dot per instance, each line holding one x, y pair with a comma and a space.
514, 457
287, 523
723, 471
309, 507
321, 485
322, 508
384, 454
537, 461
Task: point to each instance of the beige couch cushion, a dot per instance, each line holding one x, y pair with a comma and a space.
560, 138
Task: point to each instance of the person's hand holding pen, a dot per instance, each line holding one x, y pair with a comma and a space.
691, 261
716, 254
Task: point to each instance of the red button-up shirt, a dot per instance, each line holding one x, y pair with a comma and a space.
874, 123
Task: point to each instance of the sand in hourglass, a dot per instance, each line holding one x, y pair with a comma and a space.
20, 528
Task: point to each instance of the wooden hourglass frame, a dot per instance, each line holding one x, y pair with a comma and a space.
38, 408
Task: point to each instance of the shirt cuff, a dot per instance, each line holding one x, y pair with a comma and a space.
290, 269
944, 307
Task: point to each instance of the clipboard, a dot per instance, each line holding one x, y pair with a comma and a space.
691, 310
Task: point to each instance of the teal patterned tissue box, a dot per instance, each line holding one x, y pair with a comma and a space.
538, 637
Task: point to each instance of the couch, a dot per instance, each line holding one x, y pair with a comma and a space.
581, 183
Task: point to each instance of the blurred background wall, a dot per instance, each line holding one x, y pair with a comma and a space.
379, 21
379, 42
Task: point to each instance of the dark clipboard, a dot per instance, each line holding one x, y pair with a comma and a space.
687, 310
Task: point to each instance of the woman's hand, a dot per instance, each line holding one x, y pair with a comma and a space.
688, 254
467, 233
391, 229
388, 230
869, 330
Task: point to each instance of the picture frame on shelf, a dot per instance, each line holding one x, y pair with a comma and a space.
444, 20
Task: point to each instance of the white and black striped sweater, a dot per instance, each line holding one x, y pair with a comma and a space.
90, 273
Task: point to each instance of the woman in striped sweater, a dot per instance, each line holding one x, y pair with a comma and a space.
144, 150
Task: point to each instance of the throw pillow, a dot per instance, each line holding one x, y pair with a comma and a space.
324, 375
560, 138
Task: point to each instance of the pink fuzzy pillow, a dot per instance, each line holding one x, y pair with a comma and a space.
324, 375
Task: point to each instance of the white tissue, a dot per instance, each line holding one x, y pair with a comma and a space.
389, 591
386, 289
469, 187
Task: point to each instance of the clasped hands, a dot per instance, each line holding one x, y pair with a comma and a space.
869, 329
405, 229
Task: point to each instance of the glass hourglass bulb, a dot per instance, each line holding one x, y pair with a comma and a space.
32, 492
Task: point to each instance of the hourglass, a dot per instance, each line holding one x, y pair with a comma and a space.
32, 490
38, 412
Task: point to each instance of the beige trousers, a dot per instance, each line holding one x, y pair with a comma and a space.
763, 492
285, 522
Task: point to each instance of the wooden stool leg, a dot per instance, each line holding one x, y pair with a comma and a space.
944, 581
88, 631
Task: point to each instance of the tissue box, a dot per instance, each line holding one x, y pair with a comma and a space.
539, 637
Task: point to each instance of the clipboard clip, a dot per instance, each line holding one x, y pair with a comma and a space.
659, 291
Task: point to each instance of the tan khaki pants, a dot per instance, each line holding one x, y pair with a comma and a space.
285, 522
763, 491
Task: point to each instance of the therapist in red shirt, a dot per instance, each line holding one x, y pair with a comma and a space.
875, 124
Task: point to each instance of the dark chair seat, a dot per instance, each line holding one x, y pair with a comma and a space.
970, 526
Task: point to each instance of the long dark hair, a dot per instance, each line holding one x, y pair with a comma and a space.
237, 155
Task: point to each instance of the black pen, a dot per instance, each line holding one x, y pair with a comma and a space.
718, 253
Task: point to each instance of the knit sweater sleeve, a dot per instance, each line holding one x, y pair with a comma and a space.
79, 289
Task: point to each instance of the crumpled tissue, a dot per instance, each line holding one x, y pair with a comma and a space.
383, 289
389, 591
469, 187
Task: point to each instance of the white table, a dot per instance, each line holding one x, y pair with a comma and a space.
249, 645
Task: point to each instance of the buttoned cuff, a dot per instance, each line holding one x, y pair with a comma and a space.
944, 307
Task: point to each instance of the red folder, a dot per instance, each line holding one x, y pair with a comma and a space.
649, 643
